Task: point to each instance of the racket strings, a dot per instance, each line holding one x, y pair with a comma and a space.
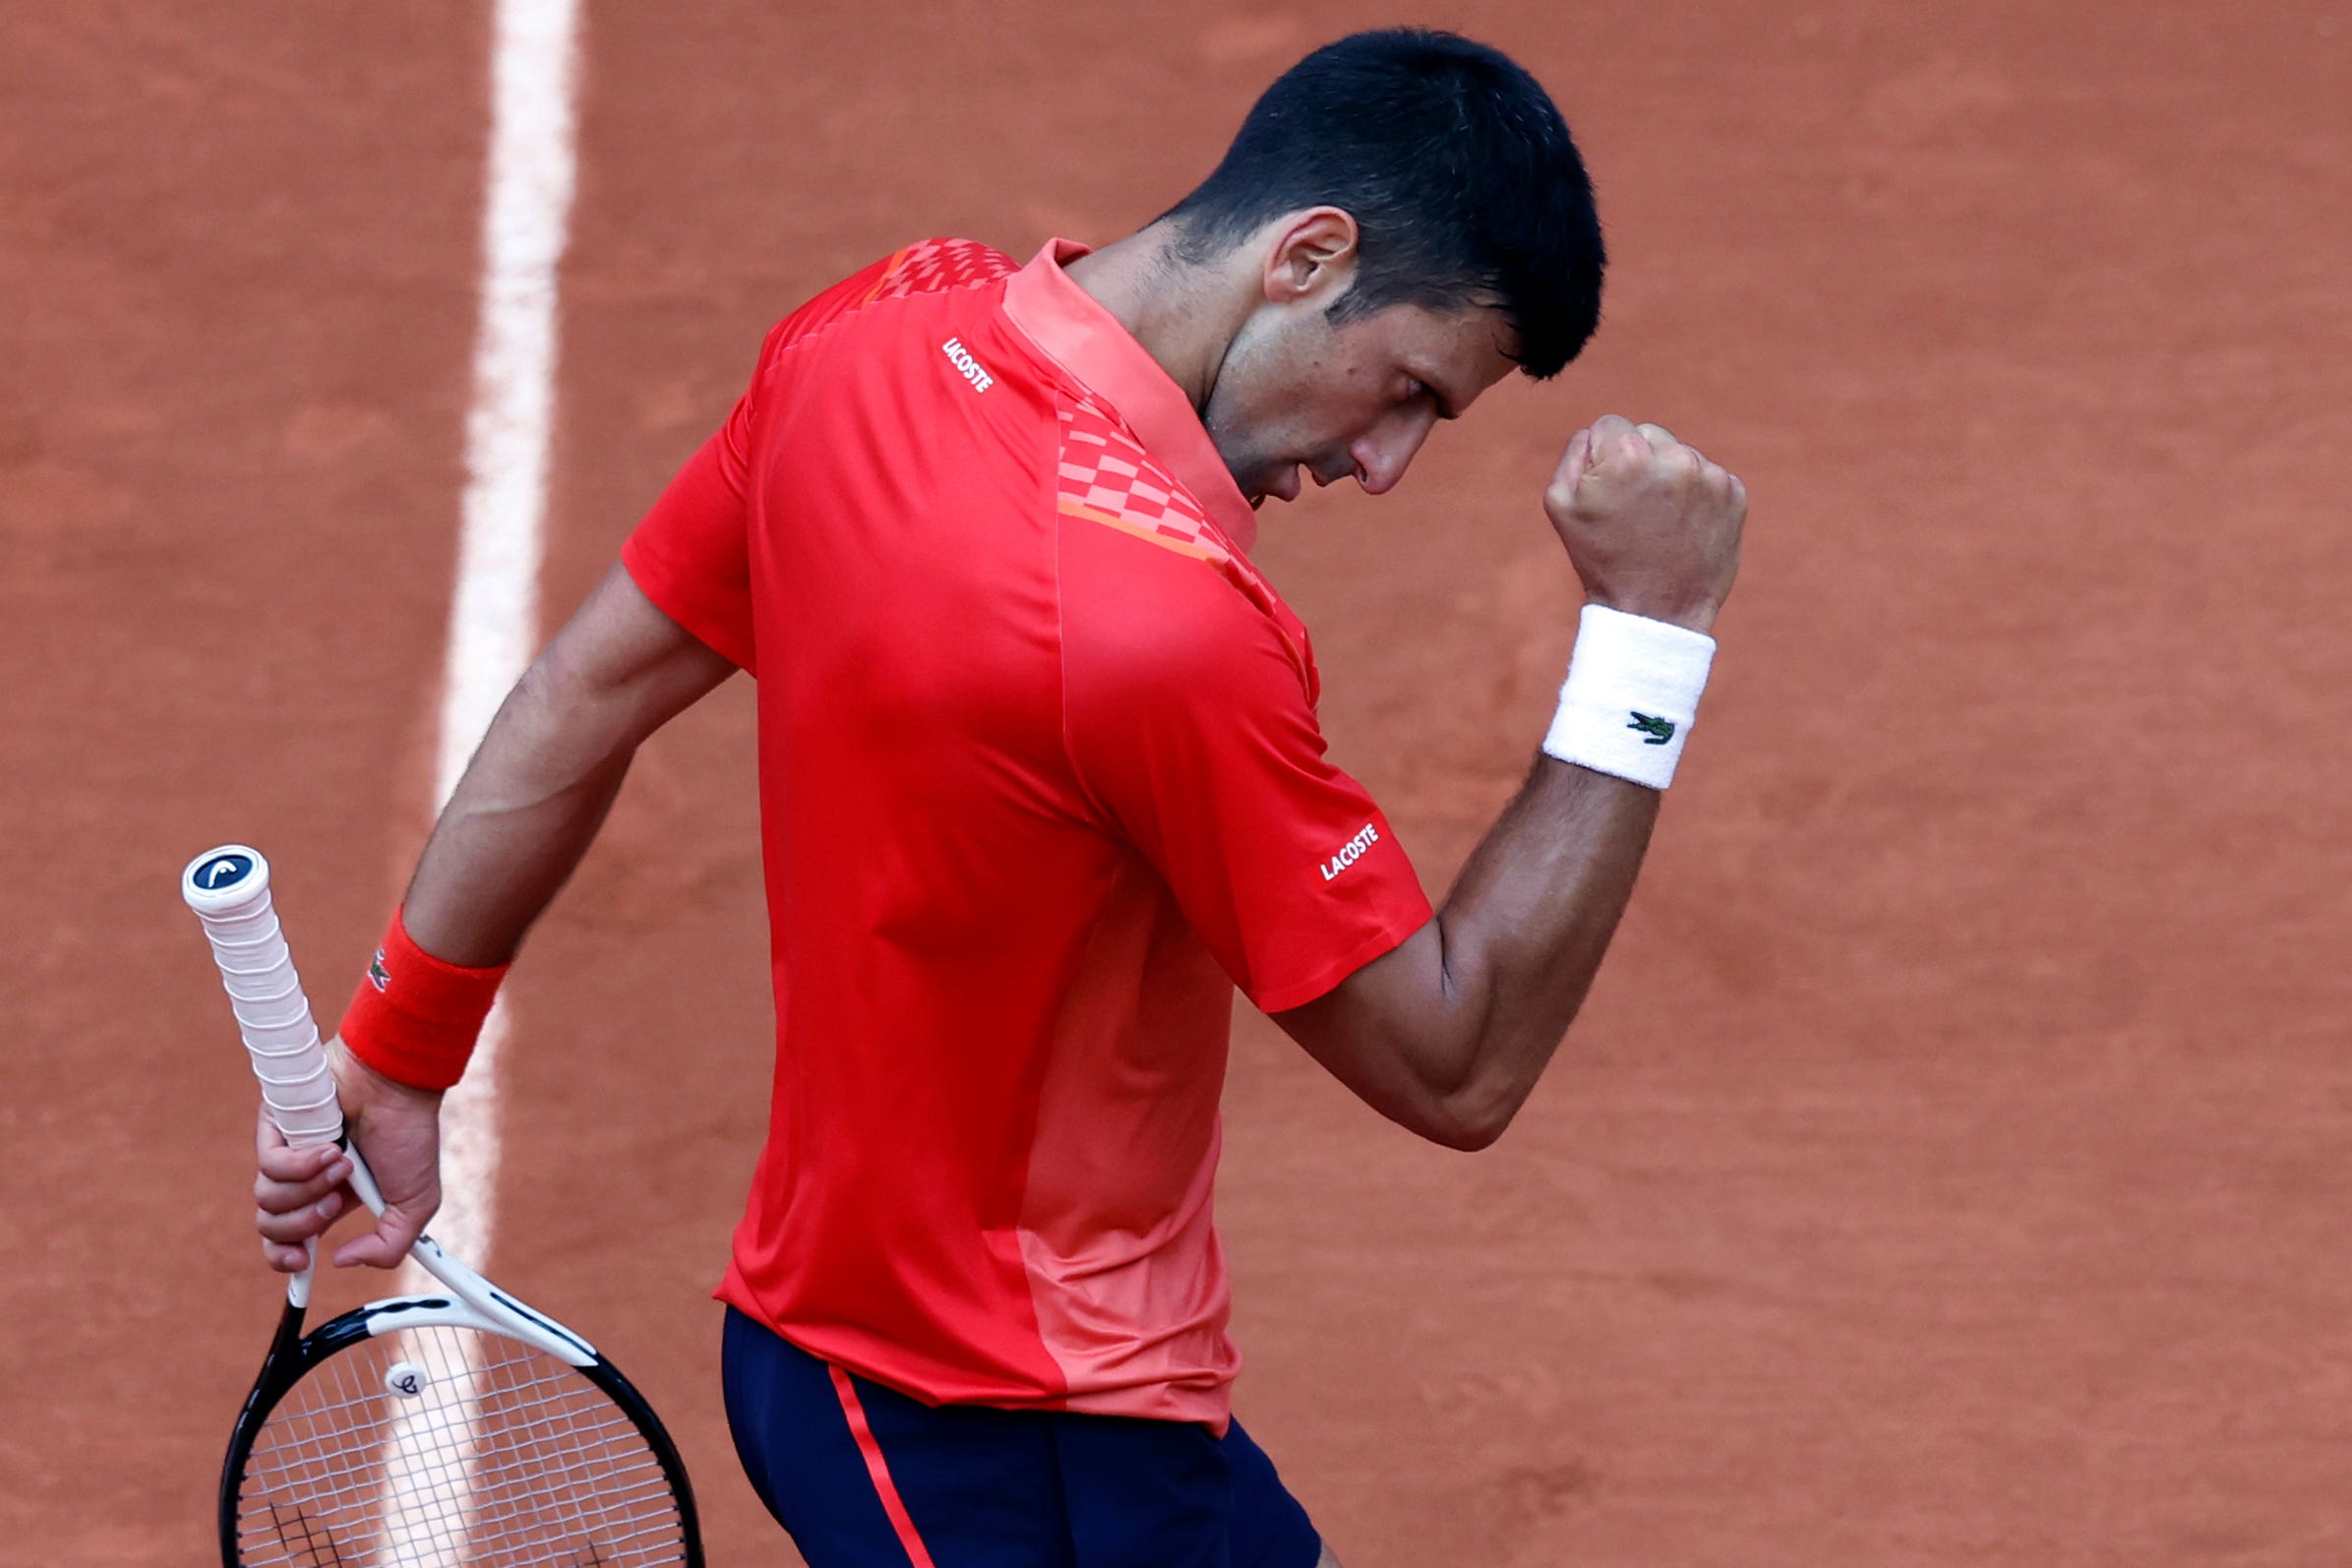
504, 1458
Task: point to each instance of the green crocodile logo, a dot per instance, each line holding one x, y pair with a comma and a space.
1660, 730
378, 976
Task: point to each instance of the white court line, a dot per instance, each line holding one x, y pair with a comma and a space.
494, 617
493, 621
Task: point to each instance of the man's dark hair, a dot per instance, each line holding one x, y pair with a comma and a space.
1463, 183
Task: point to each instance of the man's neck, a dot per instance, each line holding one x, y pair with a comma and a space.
1185, 314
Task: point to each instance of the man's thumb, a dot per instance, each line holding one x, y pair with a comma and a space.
397, 1231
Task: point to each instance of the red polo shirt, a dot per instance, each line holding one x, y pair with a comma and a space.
1040, 783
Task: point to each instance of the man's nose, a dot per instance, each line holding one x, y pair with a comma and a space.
1382, 456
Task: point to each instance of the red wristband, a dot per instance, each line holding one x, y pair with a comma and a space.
414, 1018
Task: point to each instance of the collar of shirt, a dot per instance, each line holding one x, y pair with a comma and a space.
1087, 341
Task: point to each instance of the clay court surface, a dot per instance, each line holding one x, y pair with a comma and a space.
1955, 1163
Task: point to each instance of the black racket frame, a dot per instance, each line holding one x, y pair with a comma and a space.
292, 1353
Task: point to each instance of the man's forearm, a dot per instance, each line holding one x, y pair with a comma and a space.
1522, 933
519, 820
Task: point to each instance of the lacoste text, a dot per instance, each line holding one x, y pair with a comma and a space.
980, 379
1351, 852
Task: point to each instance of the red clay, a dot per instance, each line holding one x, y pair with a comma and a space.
1949, 1168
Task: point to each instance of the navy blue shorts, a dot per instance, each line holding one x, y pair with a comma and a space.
862, 1476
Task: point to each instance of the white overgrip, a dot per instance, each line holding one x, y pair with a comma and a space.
228, 889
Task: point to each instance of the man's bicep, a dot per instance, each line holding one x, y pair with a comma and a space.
627, 658
1385, 1033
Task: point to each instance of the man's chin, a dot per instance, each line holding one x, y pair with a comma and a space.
1281, 484
1258, 482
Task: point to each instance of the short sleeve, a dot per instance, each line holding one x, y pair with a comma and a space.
691, 555
1189, 727
691, 552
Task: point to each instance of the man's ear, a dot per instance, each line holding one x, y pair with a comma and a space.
1308, 256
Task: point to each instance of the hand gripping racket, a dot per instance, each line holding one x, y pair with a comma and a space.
461, 1427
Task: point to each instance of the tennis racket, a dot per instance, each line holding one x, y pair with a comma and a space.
460, 1428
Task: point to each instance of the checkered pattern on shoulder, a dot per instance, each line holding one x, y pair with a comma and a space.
931, 268
935, 266
1106, 476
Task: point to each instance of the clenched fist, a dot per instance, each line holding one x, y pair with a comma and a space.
1651, 525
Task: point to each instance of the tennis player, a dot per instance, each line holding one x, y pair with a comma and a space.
1041, 783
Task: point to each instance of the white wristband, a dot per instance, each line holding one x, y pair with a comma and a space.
1632, 691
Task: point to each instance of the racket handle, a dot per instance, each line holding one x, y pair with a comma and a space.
228, 889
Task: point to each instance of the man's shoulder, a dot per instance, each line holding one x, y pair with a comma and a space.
929, 266
939, 266
1155, 598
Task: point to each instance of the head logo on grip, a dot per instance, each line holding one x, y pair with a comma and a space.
225, 871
